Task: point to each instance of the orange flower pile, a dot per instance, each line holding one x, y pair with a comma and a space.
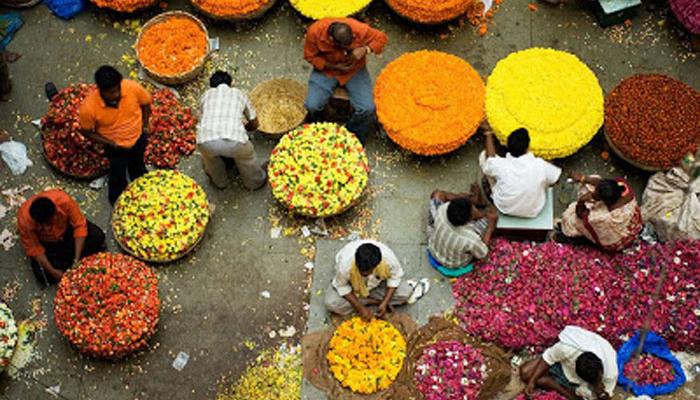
125, 6
173, 46
430, 11
108, 305
230, 8
476, 16
429, 102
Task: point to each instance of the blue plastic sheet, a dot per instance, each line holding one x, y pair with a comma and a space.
9, 24
656, 346
65, 8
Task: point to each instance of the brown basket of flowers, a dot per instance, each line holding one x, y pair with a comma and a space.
279, 104
233, 10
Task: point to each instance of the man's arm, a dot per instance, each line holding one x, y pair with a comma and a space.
312, 54
92, 135
47, 266
539, 370
492, 218
145, 117
375, 39
490, 144
364, 312
384, 305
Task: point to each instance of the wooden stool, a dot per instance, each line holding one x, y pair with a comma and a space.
339, 108
612, 12
535, 229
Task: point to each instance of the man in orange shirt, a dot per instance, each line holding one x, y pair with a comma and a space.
116, 115
337, 48
55, 234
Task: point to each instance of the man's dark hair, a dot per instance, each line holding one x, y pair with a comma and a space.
341, 33
107, 77
609, 191
220, 77
42, 209
459, 212
589, 367
367, 256
518, 142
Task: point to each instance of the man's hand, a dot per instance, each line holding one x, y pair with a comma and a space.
365, 313
485, 126
577, 176
384, 307
491, 214
529, 390
359, 53
342, 68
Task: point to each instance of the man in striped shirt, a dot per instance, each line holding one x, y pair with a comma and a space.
458, 228
226, 117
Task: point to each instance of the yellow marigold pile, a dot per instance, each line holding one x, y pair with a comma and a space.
319, 9
430, 11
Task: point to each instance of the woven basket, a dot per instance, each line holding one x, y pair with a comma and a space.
183, 77
628, 159
278, 90
236, 18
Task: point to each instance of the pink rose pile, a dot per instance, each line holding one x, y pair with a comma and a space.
542, 396
450, 370
524, 294
650, 371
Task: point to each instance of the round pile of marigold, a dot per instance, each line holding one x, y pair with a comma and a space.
172, 46
552, 94
125, 6
653, 120
107, 306
231, 8
430, 11
319, 9
366, 357
8, 335
160, 216
429, 110
318, 170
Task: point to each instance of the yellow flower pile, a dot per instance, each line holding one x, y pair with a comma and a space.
318, 170
364, 356
552, 94
319, 9
160, 216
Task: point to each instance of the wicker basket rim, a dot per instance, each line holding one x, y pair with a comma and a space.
433, 23
625, 158
236, 18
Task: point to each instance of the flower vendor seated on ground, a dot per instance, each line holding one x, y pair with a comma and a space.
366, 273
582, 365
516, 183
460, 226
606, 213
116, 115
55, 234
337, 49
222, 133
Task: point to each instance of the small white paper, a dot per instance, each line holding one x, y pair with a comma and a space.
288, 332
98, 183
272, 334
181, 360
265, 294
54, 390
275, 233
214, 43
309, 265
6, 239
305, 231
37, 122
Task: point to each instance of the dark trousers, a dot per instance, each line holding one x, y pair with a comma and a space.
5, 84
122, 162
62, 253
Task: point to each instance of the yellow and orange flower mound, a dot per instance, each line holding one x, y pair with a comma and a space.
108, 306
365, 356
125, 6
318, 170
430, 11
319, 9
552, 94
429, 102
231, 8
174, 46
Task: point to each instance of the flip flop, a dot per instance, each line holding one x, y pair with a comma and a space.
419, 291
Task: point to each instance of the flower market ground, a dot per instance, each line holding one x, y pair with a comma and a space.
222, 304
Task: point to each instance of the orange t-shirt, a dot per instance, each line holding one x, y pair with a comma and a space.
122, 124
31, 234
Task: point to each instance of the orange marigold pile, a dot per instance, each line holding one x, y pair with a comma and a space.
429, 102
430, 11
230, 8
125, 6
173, 46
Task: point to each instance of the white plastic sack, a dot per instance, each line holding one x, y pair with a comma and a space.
672, 205
15, 156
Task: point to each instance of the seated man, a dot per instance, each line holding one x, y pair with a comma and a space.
55, 234
366, 273
581, 365
518, 181
458, 231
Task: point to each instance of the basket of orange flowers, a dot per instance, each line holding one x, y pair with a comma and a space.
233, 10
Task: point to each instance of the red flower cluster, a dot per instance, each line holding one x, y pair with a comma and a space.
525, 293
108, 306
171, 131
542, 396
649, 370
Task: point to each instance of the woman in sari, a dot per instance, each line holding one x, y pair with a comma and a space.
606, 213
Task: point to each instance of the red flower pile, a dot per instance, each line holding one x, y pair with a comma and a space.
525, 294
171, 131
649, 370
450, 370
542, 396
108, 306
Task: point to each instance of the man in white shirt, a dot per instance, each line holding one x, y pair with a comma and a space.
582, 365
367, 273
222, 133
518, 181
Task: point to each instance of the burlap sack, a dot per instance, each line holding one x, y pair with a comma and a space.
671, 203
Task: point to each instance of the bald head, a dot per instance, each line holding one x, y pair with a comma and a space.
341, 34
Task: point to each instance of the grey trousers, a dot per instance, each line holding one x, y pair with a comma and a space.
337, 304
243, 154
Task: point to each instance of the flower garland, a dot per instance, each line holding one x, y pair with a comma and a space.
527, 293
172, 131
319, 9
108, 306
429, 110
318, 170
231, 8
552, 94
653, 119
8, 335
649, 370
172, 46
364, 356
430, 11
450, 370
125, 6
161, 216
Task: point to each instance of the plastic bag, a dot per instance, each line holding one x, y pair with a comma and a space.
65, 9
654, 345
671, 203
15, 156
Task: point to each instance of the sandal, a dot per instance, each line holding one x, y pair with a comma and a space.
420, 290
